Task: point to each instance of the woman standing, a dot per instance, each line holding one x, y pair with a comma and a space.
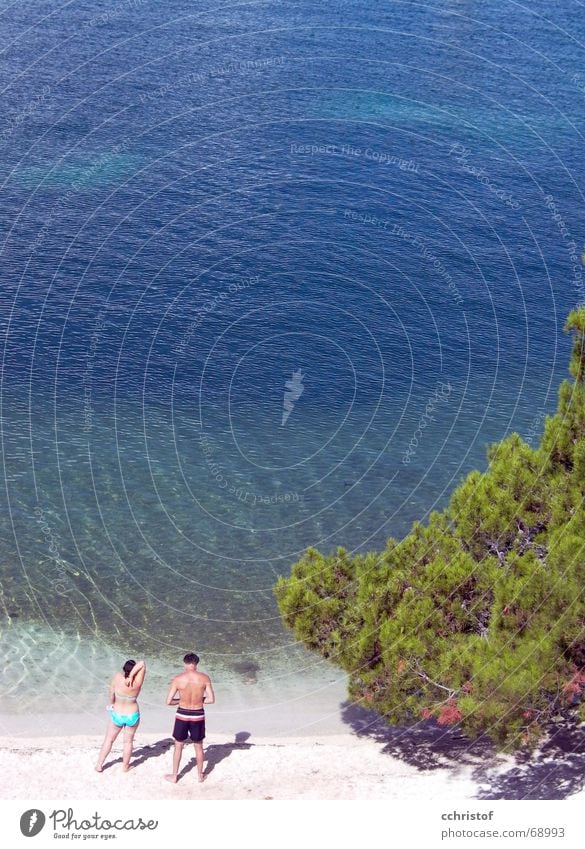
124, 710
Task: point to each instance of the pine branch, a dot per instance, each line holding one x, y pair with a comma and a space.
421, 674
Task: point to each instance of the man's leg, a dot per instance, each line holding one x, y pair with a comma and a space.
111, 734
199, 756
176, 761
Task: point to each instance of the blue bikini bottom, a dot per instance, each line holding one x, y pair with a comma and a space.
122, 719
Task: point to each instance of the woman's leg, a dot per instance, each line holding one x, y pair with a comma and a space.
111, 733
129, 732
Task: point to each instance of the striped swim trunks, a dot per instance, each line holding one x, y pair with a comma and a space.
189, 723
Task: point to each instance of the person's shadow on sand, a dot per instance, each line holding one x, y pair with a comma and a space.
218, 752
555, 771
143, 754
153, 751
215, 753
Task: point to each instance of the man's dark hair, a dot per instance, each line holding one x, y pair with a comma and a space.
191, 658
128, 667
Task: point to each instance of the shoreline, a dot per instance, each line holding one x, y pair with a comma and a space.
251, 711
66, 680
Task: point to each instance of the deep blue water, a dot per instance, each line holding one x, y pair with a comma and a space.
199, 200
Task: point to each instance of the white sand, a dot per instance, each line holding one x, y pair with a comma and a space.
340, 767
334, 767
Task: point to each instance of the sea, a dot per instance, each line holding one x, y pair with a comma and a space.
273, 275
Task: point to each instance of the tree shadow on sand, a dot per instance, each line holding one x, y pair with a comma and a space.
556, 770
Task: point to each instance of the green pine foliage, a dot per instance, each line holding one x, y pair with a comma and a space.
477, 618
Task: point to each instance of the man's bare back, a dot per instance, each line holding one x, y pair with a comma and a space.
194, 689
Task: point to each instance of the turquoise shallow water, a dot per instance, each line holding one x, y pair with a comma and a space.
243, 251
63, 682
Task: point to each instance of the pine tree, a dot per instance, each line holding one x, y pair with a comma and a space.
477, 618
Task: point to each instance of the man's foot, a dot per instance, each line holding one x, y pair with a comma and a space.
99, 768
171, 778
127, 768
202, 778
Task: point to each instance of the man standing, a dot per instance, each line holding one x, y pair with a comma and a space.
193, 688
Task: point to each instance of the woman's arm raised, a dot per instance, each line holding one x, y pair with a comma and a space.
137, 674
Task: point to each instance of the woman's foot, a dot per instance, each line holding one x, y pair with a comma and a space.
127, 767
202, 778
171, 778
99, 768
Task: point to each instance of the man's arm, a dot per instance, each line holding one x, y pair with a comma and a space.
172, 698
208, 694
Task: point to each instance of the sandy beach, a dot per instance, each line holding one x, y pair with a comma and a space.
342, 767
406, 765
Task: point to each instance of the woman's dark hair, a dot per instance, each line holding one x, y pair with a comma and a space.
128, 667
